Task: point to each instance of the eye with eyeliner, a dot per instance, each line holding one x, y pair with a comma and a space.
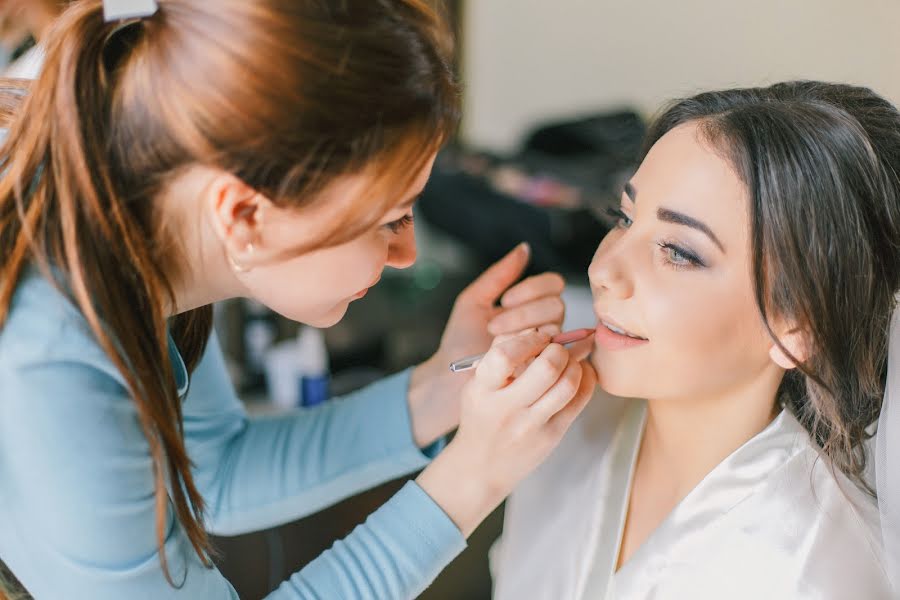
623, 221
679, 257
675, 255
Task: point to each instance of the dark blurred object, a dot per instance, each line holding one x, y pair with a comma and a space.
553, 193
613, 134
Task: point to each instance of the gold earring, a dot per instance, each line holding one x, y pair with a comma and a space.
236, 266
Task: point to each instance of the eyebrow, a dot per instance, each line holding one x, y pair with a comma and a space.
671, 216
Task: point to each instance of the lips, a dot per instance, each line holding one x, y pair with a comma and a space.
613, 336
618, 329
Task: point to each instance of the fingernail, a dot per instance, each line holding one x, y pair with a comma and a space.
525, 247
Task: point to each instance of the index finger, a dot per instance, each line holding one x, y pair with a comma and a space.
502, 361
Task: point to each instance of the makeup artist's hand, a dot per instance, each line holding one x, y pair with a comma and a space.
509, 425
490, 306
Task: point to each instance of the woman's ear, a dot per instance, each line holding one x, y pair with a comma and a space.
236, 212
795, 342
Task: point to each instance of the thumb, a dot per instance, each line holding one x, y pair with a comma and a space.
491, 284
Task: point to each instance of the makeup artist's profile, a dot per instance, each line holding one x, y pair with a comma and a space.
172, 154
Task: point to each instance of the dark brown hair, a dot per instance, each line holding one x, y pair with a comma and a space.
285, 94
820, 163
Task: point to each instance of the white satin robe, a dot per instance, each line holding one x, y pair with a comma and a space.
769, 522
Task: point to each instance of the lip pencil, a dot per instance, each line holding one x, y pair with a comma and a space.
569, 337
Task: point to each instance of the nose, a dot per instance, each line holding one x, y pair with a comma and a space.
402, 249
609, 274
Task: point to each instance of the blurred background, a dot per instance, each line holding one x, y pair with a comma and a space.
557, 96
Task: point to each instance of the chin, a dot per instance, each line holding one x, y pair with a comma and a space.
614, 388
320, 318
615, 381
328, 319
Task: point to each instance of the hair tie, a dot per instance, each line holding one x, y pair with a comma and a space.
117, 10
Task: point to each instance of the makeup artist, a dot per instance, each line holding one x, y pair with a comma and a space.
174, 154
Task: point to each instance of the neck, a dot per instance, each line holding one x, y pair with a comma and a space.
684, 440
204, 276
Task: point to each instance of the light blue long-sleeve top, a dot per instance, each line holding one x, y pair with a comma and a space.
77, 514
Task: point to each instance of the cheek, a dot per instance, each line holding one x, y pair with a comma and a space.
317, 288
711, 338
705, 336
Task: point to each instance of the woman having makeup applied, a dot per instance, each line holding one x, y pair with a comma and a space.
744, 304
176, 153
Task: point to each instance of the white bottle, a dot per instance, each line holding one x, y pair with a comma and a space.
260, 331
312, 361
282, 375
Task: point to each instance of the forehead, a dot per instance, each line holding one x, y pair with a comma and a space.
684, 172
345, 190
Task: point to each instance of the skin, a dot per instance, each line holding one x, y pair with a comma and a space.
32, 16
689, 293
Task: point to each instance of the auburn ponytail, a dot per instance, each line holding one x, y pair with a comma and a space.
62, 208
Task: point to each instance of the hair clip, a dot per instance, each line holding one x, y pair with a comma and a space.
117, 10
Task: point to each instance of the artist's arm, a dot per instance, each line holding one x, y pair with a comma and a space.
259, 472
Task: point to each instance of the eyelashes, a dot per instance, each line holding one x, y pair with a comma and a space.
678, 257
622, 220
674, 255
400, 224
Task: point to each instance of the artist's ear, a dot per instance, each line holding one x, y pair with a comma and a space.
795, 341
236, 212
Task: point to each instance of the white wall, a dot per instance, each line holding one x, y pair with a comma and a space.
526, 60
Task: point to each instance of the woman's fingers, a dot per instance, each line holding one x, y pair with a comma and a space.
533, 288
550, 329
539, 376
581, 350
504, 359
565, 416
543, 311
559, 394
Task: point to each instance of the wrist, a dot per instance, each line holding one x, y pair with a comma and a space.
433, 399
458, 485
